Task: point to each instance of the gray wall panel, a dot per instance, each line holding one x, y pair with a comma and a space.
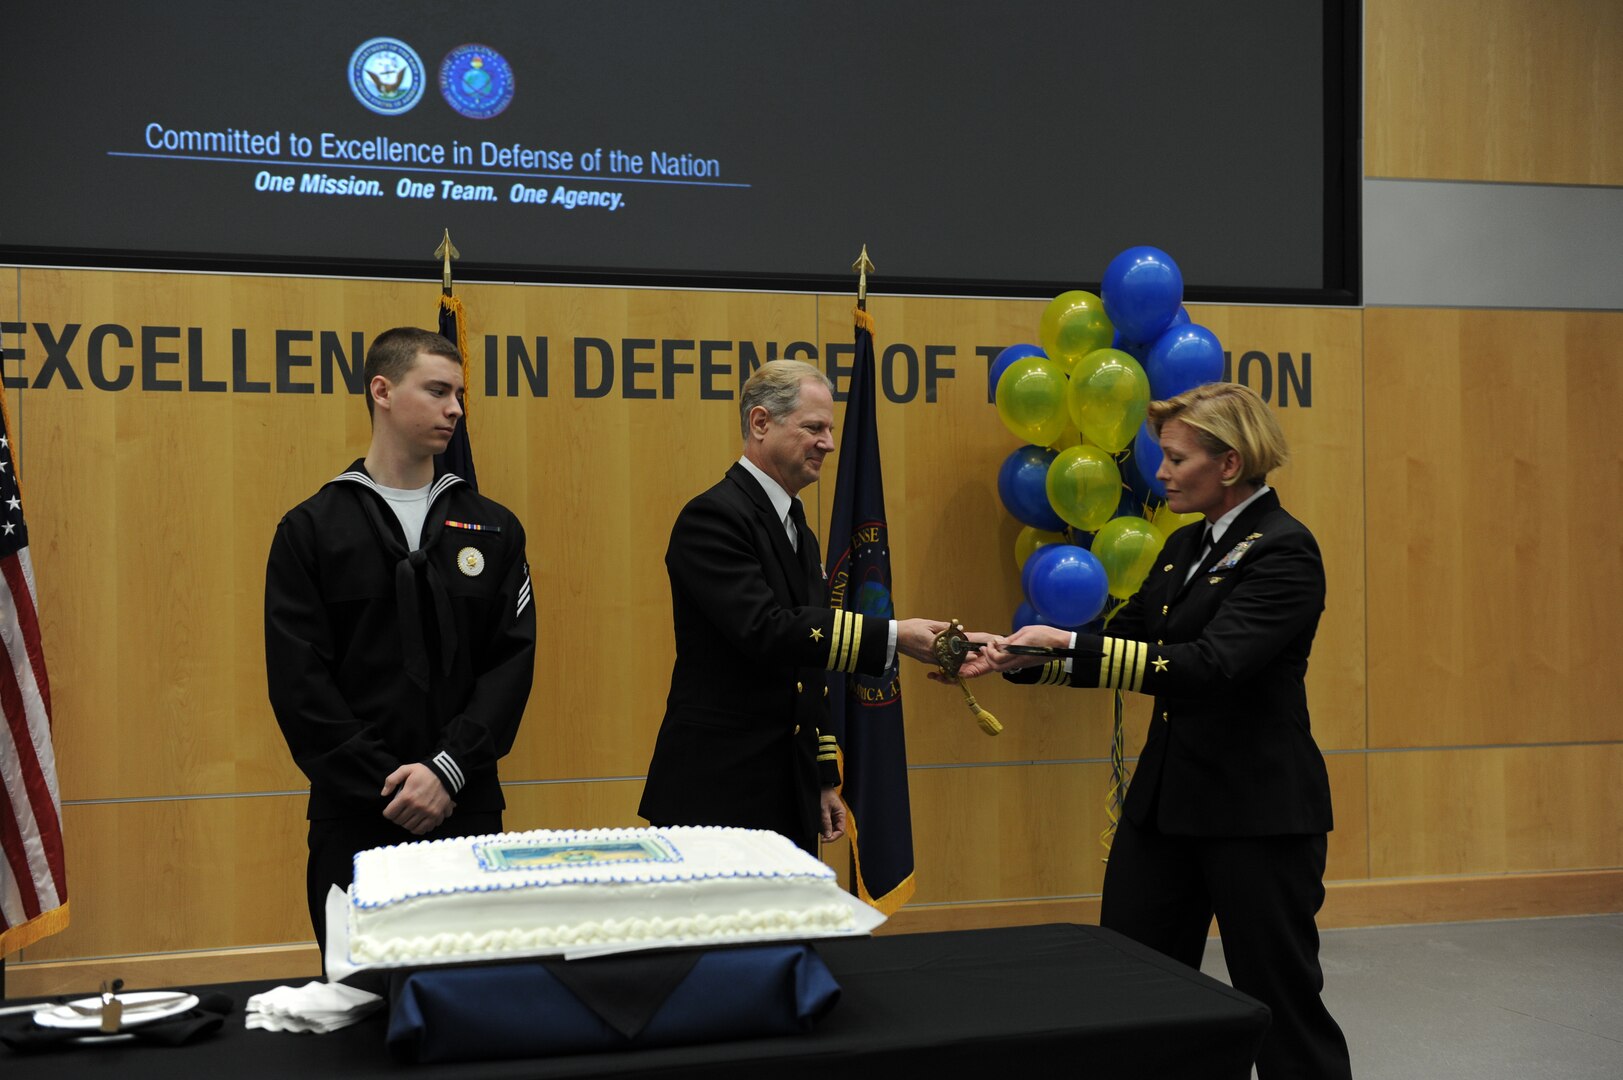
1452, 244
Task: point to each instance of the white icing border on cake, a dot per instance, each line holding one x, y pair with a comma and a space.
829, 918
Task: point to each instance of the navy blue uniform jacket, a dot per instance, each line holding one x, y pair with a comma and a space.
739, 744
1230, 751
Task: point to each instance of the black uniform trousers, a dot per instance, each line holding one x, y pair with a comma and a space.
1163, 890
334, 843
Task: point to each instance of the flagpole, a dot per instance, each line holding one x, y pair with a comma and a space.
453, 324
862, 268
446, 252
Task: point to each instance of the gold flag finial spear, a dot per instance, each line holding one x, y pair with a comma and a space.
863, 267
446, 251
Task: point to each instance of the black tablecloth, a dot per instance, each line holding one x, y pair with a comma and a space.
1072, 998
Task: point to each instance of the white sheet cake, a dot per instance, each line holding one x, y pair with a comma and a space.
514, 893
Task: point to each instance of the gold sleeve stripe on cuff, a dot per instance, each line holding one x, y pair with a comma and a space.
1053, 674
847, 641
828, 757
1118, 662
835, 635
1123, 665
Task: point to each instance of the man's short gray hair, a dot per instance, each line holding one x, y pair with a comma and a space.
775, 386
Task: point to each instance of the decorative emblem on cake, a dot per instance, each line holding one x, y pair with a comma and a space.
544, 856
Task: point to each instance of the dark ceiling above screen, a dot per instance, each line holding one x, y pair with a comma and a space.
1005, 149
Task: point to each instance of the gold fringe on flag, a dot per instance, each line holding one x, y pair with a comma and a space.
454, 306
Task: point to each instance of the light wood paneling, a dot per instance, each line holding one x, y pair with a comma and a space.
1008, 832
1346, 903
170, 875
600, 804
1503, 810
151, 513
1495, 482
1323, 484
1528, 91
1348, 855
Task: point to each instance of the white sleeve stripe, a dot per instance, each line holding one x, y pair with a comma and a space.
448, 765
523, 594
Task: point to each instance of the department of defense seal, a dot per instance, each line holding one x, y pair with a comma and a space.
476, 81
471, 561
386, 75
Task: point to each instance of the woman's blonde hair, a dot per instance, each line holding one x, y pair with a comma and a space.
1228, 416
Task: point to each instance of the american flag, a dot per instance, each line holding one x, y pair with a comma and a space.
33, 879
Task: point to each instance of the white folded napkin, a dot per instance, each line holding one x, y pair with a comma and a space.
317, 1007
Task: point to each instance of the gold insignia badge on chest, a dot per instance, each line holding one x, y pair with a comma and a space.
471, 561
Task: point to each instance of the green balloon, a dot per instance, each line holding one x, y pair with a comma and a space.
1031, 400
1084, 486
1074, 324
1108, 398
1127, 548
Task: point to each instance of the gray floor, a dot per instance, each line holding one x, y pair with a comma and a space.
1513, 1000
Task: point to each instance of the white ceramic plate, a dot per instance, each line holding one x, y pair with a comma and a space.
63, 1016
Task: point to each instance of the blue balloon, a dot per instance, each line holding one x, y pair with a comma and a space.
1147, 460
1025, 615
1022, 484
1142, 290
1036, 563
1138, 350
1002, 361
1069, 587
1183, 358
1180, 319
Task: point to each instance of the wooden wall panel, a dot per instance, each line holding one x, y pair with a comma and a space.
1499, 810
1525, 91
170, 875
1007, 832
152, 512
1323, 484
1348, 855
1493, 491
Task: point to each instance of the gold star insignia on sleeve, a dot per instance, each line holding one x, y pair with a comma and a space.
817, 634
1160, 663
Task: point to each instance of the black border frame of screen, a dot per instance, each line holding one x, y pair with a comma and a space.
1342, 235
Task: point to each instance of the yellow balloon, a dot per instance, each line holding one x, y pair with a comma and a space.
1031, 399
1068, 438
1029, 540
1127, 548
1108, 397
1168, 522
1073, 325
1084, 486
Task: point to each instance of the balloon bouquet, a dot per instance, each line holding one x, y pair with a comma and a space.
1084, 486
